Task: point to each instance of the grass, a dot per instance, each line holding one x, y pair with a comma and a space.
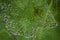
29, 20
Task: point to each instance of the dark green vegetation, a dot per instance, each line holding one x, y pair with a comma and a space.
29, 20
